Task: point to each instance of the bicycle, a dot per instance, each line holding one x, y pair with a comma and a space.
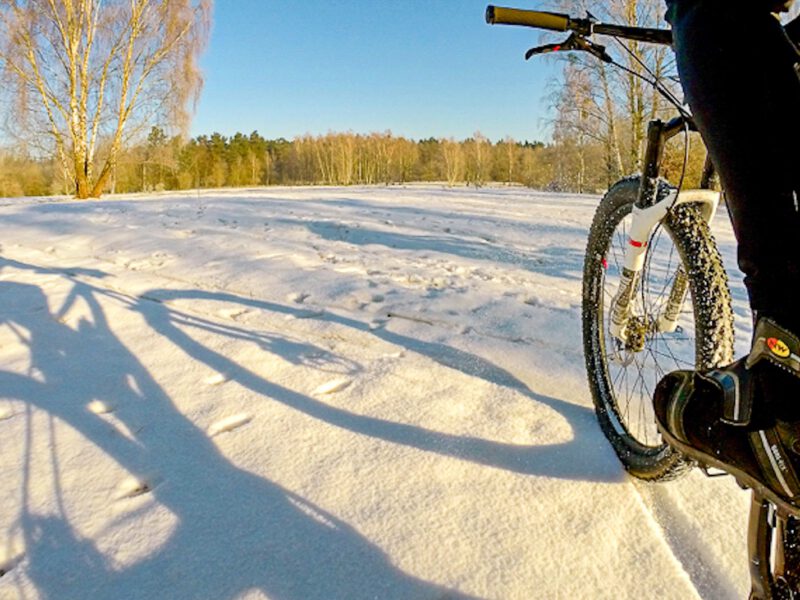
656, 299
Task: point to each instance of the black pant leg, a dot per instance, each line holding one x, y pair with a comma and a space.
737, 69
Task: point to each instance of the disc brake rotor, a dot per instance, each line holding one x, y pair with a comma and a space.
626, 350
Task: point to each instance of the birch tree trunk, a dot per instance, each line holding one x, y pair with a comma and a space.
88, 75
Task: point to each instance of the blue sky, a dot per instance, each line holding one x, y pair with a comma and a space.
417, 68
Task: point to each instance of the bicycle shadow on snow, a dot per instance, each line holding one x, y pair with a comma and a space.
289, 548
292, 548
576, 459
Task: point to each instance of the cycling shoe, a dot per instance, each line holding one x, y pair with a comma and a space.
726, 418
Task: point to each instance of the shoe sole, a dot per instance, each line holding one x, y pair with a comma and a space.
742, 478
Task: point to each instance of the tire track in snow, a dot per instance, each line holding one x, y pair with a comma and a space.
693, 557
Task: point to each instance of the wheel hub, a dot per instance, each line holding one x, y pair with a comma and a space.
637, 334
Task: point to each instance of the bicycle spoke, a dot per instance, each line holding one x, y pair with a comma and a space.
634, 370
646, 422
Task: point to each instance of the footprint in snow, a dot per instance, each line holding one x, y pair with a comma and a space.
332, 387
100, 407
298, 297
136, 486
216, 379
9, 559
232, 313
378, 324
306, 314
532, 301
154, 261
229, 424
158, 259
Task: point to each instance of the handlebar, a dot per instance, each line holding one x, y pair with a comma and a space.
579, 39
498, 15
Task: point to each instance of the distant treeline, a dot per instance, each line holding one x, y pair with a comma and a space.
170, 163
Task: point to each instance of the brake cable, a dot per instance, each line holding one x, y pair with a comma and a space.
579, 42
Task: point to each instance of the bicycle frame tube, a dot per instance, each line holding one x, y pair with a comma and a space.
649, 210
658, 134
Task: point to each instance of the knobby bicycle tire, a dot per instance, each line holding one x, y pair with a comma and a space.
622, 380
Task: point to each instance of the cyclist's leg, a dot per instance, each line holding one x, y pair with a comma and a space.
737, 68
738, 71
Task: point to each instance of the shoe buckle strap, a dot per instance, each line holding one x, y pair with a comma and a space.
737, 403
677, 407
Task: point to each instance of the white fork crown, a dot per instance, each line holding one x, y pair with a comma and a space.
645, 221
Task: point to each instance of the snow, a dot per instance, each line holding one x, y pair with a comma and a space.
317, 393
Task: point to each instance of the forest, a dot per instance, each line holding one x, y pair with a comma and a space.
70, 139
165, 162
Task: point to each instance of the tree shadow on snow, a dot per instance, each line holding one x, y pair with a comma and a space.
562, 262
234, 531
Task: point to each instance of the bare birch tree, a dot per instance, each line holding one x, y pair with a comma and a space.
510, 154
621, 103
476, 155
85, 76
453, 155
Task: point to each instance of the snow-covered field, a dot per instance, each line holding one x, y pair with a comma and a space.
324, 393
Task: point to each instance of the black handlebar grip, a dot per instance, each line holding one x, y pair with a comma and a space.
497, 15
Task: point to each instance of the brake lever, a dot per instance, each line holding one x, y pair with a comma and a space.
573, 42
568, 44
543, 50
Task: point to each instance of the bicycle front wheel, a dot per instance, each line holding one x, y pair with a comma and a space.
623, 374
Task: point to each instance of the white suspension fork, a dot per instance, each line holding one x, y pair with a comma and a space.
645, 221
